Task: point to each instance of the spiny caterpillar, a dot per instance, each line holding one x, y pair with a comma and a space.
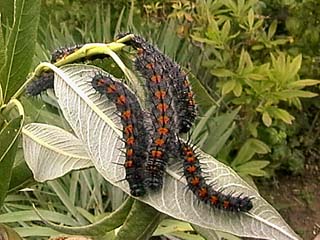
163, 134
183, 97
205, 192
40, 84
134, 132
46, 79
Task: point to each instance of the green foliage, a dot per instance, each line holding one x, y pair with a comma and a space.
256, 67
19, 22
247, 59
87, 203
19, 44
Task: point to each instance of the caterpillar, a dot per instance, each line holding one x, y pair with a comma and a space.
40, 84
163, 133
134, 132
62, 52
183, 97
205, 192
46, 79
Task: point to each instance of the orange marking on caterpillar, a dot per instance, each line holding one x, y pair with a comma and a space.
121, 100
163, 120
226, 204
162, 107
129, 164
111, 88
156, 78
126, 114
163, 131
160, 94
203, 192
156, 153
214, 199
129, 152
128, 129
159, 142
130, 140
150, 66
195, 181
191, 169
101, 82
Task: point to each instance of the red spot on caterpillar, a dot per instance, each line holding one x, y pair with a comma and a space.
111, 88
159, 142
163, 120
150, 66
128, 129
162, 107
129, 152
203, 192
160, 94
130, 140
128, 164
156, 78
121, 99
214, 200
195, 181
163, 131
156, 153
126, 114
191, 169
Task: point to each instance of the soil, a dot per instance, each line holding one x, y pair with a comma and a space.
297, 199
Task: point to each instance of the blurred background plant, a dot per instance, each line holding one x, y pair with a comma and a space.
253, 66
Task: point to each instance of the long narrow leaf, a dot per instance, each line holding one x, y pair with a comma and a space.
8, 139
20, 44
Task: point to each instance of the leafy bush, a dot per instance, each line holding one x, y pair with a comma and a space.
256, 66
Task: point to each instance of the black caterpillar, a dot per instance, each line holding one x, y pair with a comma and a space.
204, 192
134, 133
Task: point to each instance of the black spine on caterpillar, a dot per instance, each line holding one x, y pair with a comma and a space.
40, 84
183, 97
134, 132
205, 192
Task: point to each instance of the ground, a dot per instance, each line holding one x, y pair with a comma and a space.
297, 198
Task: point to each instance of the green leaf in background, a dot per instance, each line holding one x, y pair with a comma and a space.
8, 139
303, 83
98, 228
253, 168
21, 177
20, 44
202, 97
6, 233
248, 150
140, 223
219, 130
2, 57
6, 10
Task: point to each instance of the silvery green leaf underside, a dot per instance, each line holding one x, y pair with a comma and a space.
51, 152
96, 125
